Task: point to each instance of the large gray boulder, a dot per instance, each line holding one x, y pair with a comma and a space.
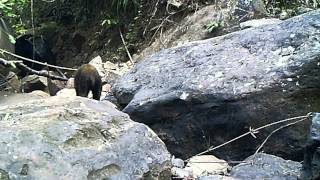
266, 166
261, 166
207, 92
77, 138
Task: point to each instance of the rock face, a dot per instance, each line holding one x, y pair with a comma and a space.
207, 92
34, 82
226, 15
265, 166
77, 138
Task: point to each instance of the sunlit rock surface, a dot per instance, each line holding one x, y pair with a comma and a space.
76, 138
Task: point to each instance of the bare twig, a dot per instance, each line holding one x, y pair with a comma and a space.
160, 26
150, 19
125, 46
34, 61
252, 131
61, 73
44, 73
7, 63
3, 84
32, 25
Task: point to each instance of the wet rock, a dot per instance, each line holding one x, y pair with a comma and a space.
34, 82
225, 15
77, 138
208, 92
206, 165
265, 166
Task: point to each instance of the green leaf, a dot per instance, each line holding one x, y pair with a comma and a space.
11, 39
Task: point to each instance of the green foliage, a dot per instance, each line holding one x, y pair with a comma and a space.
6, 7
109, 21
11, 39
213, 26
12, 9
20, 28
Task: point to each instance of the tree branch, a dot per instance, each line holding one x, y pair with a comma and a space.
22, 66
125, 46
37, 62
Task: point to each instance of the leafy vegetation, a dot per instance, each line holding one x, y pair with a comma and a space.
109, 21
12, 10
140, 20
213, 26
